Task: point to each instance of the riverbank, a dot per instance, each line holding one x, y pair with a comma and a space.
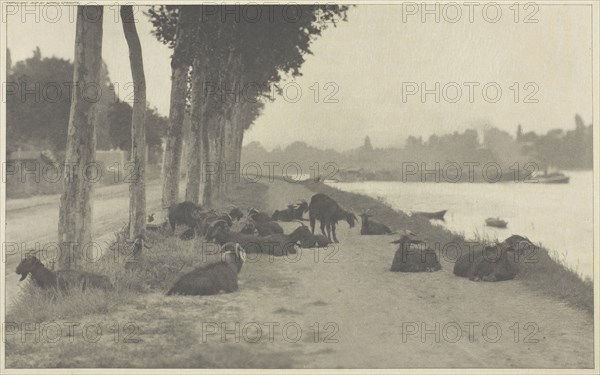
541, 273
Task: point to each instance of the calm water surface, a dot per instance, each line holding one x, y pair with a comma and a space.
560, 216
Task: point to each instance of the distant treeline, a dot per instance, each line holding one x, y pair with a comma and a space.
38, 102
522, 154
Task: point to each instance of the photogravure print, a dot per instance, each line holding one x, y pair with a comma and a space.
369, 186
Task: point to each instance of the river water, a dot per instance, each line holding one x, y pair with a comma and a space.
557, 216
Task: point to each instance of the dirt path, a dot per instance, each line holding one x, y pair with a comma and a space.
373, 307
341, 308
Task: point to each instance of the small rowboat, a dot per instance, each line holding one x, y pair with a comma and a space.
439, 215
495, 222
548, 178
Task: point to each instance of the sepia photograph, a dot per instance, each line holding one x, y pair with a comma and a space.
300, 187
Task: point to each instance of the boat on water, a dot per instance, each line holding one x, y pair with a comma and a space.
439, 215
495, 222
548, 178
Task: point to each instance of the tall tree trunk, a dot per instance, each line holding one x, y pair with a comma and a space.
211, 145
228, 168
137, 189
194, 143
75, 213
239, 127
180, 64
231, 173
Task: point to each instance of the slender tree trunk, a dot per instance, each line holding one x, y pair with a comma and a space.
229, 169
211, 159
75, 213
180, 64
239, 134
174, 138
194, 143
137, 189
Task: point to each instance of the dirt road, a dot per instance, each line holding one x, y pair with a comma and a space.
342, 308
33, 222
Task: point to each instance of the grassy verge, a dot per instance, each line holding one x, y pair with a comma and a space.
160, 266
134, 325
543, 274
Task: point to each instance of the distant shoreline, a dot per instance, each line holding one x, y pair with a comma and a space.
506, 176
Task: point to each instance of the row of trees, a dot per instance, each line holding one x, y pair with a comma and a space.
221, 67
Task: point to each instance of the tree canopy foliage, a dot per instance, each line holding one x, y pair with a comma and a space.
39, 100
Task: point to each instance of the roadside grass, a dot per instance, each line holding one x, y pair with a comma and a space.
156, 271
166, 332
540, 272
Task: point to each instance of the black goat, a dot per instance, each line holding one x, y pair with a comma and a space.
328, 212
413, 260
263, 229
216, 277
307, 239
494, 263
63, 280
235, 213
249, 228
208, 217
372, 227
186, 213
284, 215
293, 212
258, 217
276, 244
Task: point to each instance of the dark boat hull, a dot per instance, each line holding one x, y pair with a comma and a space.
496, 223
431, 215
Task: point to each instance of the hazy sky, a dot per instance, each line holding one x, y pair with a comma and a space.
376, 57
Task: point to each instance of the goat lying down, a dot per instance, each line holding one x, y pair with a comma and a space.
263, 228
276, 244
63, 280
497, 262
372, 227
308, 240
407, 259
214, 278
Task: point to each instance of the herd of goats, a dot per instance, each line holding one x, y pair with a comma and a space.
260, 233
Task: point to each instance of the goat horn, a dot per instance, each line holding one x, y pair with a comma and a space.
217, 221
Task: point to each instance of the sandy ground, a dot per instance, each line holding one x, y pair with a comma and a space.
367, 317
